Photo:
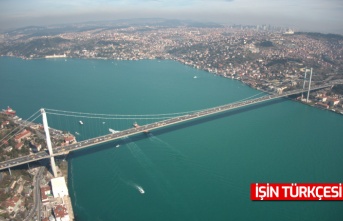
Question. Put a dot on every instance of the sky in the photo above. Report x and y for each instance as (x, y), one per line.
(303, 15)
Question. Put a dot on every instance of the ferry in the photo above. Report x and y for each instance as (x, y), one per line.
(81, 122)
(10, 111)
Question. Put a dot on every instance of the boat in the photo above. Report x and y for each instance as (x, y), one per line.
(10, 111)
(81, 122)
(140, 189)
(113, 131)
(77, 133)
(195, 77)
(117, 145)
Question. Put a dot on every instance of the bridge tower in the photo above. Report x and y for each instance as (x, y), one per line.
(302, 94)
(48, 142)
(309, 87)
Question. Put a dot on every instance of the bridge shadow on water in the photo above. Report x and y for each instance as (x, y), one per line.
(138, 137)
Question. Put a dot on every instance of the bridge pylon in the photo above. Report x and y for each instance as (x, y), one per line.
(309, 87)
(48, 142)
(302, 94)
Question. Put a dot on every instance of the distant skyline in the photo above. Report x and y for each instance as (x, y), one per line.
(305, 15)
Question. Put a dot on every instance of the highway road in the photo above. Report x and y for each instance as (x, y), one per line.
(36, 196)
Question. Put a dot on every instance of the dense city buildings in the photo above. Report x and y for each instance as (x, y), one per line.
(257, 52)
(264, 57)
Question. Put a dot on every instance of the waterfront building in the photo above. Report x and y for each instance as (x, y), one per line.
(61, 213)
(59, 187)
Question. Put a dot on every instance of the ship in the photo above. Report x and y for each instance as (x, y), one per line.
(10, 111)
(81, 122)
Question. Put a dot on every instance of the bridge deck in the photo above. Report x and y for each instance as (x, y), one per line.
(132, 131)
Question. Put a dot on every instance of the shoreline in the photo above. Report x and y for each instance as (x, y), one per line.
(170, 59)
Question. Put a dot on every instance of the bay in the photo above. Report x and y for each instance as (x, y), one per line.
(200, 170)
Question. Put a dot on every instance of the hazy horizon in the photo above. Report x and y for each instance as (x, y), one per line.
(304, 15)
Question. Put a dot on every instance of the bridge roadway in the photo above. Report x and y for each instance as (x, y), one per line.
(140, 129)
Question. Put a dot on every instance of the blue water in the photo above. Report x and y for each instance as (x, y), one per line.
(200, 170)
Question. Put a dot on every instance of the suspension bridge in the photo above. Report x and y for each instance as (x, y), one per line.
(164, 120)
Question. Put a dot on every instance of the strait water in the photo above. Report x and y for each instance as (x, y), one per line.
(199, 170)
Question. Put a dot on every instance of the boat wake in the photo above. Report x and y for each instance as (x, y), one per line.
(172, 149)
(134, 185)
(138, 154)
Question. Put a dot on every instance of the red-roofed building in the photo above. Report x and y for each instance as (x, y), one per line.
(12, 204)
(61, 213)
(19, 146)
(25, 133)
(69, 139)
(44, 192)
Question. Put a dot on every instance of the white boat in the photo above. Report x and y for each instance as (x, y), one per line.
(140, 189)
(77, 133)
(81, 122)
(113, 131)
(195, 77)
(117, 145)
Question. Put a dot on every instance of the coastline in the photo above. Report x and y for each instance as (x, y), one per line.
(177, 60)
